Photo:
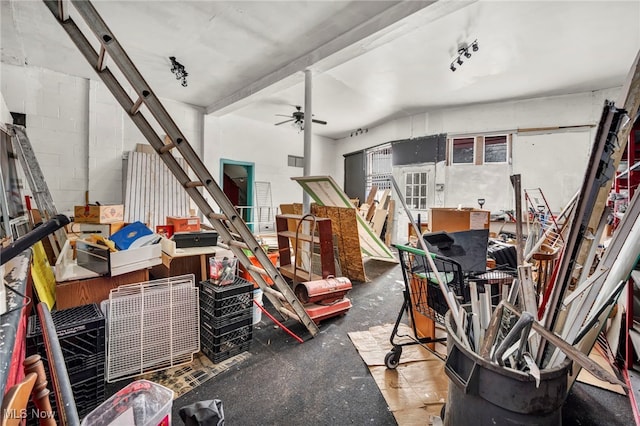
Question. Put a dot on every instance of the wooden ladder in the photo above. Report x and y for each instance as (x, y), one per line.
(232, 229)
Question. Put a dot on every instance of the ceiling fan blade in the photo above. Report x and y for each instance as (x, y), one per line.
(319, 121)
(282, 122)
(282, 115)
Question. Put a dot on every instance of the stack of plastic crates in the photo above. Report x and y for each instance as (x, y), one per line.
(226, 317)
(81, 333)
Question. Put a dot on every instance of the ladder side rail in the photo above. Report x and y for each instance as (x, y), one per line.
(34, 174)
(41, 194)
(160, 114)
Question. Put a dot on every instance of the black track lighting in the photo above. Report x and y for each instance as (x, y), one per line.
(463, 50)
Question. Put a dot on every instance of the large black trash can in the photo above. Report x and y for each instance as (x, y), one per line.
(483, 393)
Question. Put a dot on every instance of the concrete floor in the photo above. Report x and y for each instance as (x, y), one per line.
(325, 382)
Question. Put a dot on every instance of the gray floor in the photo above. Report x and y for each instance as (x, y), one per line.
(325, 382)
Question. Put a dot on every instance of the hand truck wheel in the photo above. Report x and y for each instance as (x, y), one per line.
(392, 359)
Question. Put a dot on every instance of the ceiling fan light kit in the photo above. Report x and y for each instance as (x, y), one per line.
(465, 50)
(297, 119)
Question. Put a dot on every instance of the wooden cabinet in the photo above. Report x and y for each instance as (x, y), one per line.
(94, 290)
(318, 242)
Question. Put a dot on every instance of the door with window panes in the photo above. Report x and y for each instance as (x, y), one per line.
(418, 187)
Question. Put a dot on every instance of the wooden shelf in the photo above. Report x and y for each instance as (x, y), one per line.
(322, 236)
(301, 237)
(300, 276)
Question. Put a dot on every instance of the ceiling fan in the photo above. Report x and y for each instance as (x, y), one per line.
(297, 117)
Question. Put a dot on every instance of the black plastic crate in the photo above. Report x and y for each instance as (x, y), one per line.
(87, 395)
(76, 350)
(226, 306)
(231, 313)
(80, 330)
(220, 327)
(217, 357)
(232, 338)
(239, 285)
(70, 321)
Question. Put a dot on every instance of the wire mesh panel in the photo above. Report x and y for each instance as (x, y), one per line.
(152, 326)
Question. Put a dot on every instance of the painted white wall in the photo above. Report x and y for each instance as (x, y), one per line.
(554, 161)
(5, 114)
(267, 146)
(79, 132)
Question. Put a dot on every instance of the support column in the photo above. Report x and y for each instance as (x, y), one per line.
(307, 136)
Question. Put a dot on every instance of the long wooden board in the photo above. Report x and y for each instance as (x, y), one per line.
(326, 192)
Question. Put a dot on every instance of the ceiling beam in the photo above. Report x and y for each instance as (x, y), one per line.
(378, 30)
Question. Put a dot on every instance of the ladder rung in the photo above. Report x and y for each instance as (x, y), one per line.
(240, 244)
(217, 216)
(257, 269)
(101, 58)
(272, 291)
(167, 147)
(193, 184)
(136, 106)
(288, 313)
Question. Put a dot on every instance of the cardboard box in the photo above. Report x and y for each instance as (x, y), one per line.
(99, 259)
(454, 220)
(184, 224)
(98, 214)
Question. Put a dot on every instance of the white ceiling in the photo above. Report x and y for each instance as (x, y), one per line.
(371, 61)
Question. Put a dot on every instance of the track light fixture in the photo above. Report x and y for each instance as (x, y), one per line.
(358, 132)
(463, 50)
(178, 69)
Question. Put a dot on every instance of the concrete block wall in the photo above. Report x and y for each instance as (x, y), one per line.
(79, 132)
(56, 107)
